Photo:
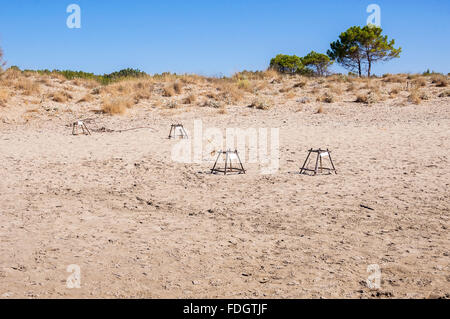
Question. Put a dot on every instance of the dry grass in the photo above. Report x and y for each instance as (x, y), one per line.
(86, 98)
(231, 92)
(133, 89)
(290, 95)
(351, 87)
(171, 105)
(44, 80)
(142, 91)
(213, 104)
(337, 90)
(445, 94)
(11, 74)
(415, 97)
(177, 87)
(420, 82)
(398, 78)
(362, 98)
(327, 98)
(373, 96)
(320, 110)
(168, 91)
(28, 87)
(245, 85)
(285, 89)
(315, 90)
(261, 85)
(190, 99)
(60, 96)
(223, 110)
(271, 74)
(57, 76)
(87, 83)
(116, 105)
(90, 84)
(4, 96)
(394, 91)
(440, 80)
(220, 92)
(413, 76)
(261, 104)
(300, 84)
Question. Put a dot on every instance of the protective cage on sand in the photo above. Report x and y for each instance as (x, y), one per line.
(177, 130)
(76, 126)
(230, 158)
(318, 167)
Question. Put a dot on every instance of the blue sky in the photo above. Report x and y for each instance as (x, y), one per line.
(215, 37)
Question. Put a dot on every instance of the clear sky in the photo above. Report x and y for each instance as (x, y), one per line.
(211, 37)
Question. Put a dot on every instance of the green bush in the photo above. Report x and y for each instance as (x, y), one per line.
(104, 79)
(317, 62)
(289, 64)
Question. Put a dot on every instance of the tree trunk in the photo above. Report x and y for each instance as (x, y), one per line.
(359, 68)
(369, 68)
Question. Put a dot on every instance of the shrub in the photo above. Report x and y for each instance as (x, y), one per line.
(320, 110)
(60, 96)
(87, 98)
(361, 98)
(317, 62)
(285, 89)
(351, 87)
(168, 91)
(104, 79)
(420, 82)
(445, 94)
(124, 73)
(191, 98)
(213, 103)
(327, 98)
(300, 84)
(440, 80)
(4, 96)
(394, 79)
(117, 105)
(394, 91)
(28, 87)
(261, 104)
(289, 64)
(231, 91)
(369, 98)
(414, 97)
(245, 85)
(223, 110)
(171, 105)
(177, 87)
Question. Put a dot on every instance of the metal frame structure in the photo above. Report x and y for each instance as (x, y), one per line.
(319, 163)
(173, 131)
(76, 125)
(228, 163)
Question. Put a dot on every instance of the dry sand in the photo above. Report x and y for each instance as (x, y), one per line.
(140, 225)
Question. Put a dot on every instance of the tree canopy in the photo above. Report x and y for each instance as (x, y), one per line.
(318, 62)
(358, 48)
(290, 64)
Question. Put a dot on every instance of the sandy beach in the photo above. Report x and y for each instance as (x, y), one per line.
(141, 225)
